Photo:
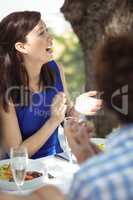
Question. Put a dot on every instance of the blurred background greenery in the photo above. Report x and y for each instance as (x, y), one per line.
(69, 54)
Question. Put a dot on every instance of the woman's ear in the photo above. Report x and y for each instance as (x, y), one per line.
(19, 46)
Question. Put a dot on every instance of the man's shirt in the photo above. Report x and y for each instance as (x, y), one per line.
(108, 176)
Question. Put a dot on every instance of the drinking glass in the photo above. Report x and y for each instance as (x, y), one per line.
(19, 162)
(67, 147)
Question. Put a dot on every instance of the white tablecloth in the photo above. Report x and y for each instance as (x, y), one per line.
(62, 170)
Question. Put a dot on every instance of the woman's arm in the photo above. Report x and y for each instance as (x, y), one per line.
(11, 133)
(90, 106)
(70, 107)
(62, 74)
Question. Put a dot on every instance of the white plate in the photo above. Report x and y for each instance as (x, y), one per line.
(33, 165)
(98, 140)
(62, 170)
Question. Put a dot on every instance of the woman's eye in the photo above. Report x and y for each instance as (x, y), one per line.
(42, 33)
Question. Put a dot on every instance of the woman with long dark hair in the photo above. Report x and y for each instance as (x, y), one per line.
(32, 99)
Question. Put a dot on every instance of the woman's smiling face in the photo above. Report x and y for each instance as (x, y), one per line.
(39, 44)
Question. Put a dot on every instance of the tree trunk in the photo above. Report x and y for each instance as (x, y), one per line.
(89, 19)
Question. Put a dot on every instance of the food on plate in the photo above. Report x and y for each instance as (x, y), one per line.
(50, 176)
(101, 146)
(100, 142)
(6, 173)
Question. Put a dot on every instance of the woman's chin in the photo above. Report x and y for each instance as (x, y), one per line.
(50, 57)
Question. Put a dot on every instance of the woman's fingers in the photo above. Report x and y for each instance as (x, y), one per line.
(92, 93)
(62, 110)
(88, 103)
(59, 106)
(98, 101)
(59, 99)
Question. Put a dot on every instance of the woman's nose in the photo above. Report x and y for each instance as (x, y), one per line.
(49, 36)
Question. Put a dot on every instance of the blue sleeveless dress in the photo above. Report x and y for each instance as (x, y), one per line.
(32, 118)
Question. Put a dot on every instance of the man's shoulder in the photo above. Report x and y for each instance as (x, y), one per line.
(91, 168)
(100, 166)
(104, 173)
(87, 176)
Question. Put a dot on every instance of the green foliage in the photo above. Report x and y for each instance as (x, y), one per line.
(69, 54)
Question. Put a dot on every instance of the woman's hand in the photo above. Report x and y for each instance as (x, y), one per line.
(58, 108)
(78, 135)
(71, 112)
(87, 103)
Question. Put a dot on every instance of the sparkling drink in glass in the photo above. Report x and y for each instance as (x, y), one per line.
(19, 162)
(67, 148)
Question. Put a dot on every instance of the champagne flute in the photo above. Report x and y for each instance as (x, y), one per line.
(79, 122)
(19, 162)
(67, 147)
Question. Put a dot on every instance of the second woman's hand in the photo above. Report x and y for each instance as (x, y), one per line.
(78, 135)
(88, 103)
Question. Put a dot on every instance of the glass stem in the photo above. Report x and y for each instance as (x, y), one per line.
(70, 157)
(19, 189)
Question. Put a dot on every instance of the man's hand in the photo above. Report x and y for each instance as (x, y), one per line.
(78, 135)
(49, 193)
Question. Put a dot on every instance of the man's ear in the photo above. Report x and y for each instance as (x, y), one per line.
(19, 46)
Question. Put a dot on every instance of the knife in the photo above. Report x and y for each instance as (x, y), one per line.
(61, 157)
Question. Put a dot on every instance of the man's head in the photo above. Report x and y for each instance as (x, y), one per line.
(114, 74)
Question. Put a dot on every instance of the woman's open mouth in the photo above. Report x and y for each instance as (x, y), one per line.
(49, 50)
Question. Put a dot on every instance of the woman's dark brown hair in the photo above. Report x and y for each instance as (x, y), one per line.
(14, 28)
(114, 74)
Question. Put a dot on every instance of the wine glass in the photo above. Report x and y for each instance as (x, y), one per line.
(67, 147)
(19, 162)
(78, 123)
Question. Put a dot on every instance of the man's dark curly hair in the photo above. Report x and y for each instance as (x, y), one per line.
(114, 74)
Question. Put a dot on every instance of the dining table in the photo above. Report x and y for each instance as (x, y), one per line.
(60, 171)
(57, 170)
